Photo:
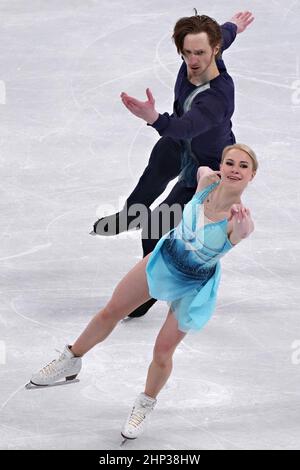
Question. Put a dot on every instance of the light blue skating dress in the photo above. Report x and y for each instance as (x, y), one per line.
(184, 268)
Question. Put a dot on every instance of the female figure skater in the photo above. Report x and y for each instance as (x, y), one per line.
(183, 269)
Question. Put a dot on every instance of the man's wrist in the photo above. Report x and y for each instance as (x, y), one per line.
(153, 118)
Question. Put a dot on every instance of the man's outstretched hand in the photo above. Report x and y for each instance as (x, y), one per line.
(242, 19)
(142, 109)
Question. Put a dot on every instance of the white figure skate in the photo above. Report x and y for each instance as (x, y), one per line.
(136, 420)
(67, 367)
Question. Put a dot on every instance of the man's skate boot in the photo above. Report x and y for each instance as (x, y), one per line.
(135, 422)
(67, 366)
(142, 309)
(116, 223)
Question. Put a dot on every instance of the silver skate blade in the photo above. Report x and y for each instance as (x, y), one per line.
(31, 386)
(92, 233)
(126, 439)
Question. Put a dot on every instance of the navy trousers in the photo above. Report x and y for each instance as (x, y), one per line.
(164, 165)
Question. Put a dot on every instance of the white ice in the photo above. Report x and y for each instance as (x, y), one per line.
(69, 150)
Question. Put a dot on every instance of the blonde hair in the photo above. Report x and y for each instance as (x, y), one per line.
(246, 149)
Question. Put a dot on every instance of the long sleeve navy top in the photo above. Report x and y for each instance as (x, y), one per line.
(208, 123)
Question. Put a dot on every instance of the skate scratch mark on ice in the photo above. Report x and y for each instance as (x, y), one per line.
(7, 230)
(259, 343)
(297, 67)
(149, 15)
(11, 396)
(17, 189)
(213, 435)
(48, 262)
(132, 74)
(76, 62)
(121, 79)
(236, 349)
(95, 278)
(234, 302)
(106, 291)
(101, 115)
(57, 218)
(207, 354)
(59, 130)
(28, 252)
(270, 271)
(194, 350)
(288, 10)
(44, 325)
(75, 190)
(35, 439)
(14, 428)
(129, 153)
(17, 133)
(280, 195)
(266, 129)
(79, 162)
(272, 74)
(161, 64)
(56, 131)
(30, 21)
(266, 82)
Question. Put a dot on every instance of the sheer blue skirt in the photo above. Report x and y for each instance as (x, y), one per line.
(175, 274)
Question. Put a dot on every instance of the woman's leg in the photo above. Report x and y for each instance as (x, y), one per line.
(161, 366)
(131, 292)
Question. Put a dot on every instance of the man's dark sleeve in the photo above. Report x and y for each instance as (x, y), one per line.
(229, 31)
(207, 112)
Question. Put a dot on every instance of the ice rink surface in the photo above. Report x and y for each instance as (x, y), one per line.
(69, 151)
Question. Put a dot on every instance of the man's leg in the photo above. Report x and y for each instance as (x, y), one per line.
(163, 166)
(179, 195)
(155, 229)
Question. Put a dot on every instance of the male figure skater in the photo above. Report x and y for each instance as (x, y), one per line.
(194, 135)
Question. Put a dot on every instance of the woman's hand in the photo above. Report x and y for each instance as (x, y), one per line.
(242, 19)
(142, 109)
(241, 222)
(207, 176)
